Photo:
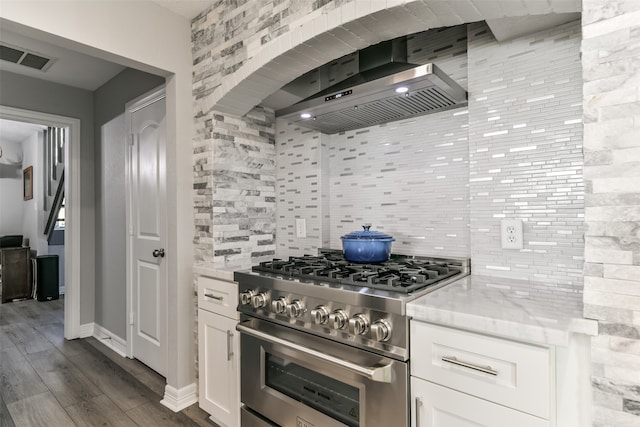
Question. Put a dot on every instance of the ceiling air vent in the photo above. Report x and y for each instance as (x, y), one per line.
(10, 54)
(25, 57)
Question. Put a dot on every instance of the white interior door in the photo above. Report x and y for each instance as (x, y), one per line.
(147, 226)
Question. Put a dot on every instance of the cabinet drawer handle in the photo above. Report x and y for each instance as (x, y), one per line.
(229, 345)
(418, 408)
(213, 296)
(455, 361)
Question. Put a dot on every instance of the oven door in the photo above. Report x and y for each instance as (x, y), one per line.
(296, 379)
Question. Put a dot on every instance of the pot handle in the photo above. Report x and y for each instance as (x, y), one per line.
(366, 227)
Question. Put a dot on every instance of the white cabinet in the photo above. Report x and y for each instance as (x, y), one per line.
(437, 406)
(510, 373)
(460, 378)
(219, 351)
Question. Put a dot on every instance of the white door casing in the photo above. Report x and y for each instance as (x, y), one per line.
(147, 225)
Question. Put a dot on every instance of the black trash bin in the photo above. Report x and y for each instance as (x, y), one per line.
(47, 284)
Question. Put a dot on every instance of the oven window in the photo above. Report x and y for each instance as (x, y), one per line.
(327, 395)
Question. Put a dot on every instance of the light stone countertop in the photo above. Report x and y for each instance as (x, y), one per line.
(517, 309)
(217, 272)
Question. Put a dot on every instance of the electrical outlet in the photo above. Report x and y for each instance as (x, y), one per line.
(301, 227)
(511, 233)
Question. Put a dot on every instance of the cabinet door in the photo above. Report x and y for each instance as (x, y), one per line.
(436, 406)
(16, 273)
(219, 368)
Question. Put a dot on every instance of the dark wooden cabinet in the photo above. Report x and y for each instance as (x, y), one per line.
(16, 273)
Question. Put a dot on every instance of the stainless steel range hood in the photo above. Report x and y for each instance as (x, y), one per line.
(374, 96)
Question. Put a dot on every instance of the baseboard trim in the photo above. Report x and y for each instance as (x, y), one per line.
(110, 339)
(86, 330)
(178, 399)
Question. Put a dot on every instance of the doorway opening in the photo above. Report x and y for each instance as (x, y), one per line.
(70, 151)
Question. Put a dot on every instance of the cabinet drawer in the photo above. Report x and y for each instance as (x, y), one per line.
(437, 406)
(218, 296)
(513, 374)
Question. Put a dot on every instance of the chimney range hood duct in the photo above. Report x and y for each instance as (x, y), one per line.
(375, 95)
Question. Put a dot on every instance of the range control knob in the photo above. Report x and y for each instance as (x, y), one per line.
(279, 306)
(320, 315)
(295, 309)
(358, 324)
(245, 297)
(260, 300)
(338, 319)
(380, 330)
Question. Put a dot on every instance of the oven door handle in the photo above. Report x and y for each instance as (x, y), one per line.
(380, 374)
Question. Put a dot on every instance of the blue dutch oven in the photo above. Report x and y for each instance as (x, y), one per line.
(366, 246)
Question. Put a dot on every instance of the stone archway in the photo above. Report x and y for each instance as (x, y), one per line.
(322, 35)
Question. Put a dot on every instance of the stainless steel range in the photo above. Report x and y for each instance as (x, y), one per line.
(325, 342)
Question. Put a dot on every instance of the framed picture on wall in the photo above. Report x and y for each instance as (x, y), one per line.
(27, 182)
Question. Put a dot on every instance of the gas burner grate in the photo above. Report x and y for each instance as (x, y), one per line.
(400, 274)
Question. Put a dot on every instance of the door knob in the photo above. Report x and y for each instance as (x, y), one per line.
(158, 253)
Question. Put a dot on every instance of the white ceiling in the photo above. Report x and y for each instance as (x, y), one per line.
(69, 67)
(17, 132)
(187, 8)
(79, 70)
(504, 29)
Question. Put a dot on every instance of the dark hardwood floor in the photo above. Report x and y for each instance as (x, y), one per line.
(48, 381)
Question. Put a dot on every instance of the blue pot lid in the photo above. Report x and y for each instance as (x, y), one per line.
(367, 234)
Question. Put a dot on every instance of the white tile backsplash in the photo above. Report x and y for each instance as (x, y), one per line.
(300, 192)
(525, 142)
(409, 179)
(406, 181)
(441, 183)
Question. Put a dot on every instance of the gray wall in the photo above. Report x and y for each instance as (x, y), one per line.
(110, 244)
(38, 95)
